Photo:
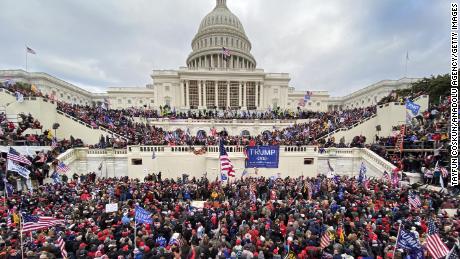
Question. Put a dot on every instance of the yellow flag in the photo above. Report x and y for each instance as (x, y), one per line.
(34, 88)
(341, 237)
(50, 135)
(16, 218)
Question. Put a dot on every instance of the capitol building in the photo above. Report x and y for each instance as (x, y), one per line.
(220, 73)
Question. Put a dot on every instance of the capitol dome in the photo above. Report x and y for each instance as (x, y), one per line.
(221, 29)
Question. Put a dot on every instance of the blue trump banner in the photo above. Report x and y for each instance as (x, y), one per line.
(143, 216)
(409, 242)
(413, 107)
(263, 157)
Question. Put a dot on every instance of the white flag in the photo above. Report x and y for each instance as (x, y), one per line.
(22, 171)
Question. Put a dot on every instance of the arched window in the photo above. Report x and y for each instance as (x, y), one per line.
(245, 133)
(168, 101)
(201, 134)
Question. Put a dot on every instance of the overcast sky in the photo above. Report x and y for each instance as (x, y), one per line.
(339, 46)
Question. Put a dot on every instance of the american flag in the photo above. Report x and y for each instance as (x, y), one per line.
(15, 156)
(325, 240)
(32, 223)
(226, 53)
(9, 223)
(226, 165)
(386, 177)
(434, 244)
(54, 143)
(444, 171)
(62, 168)
(31, 51)
(61, 244)
(414, 200)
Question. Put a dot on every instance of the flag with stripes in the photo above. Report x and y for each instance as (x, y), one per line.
(414, 200)
(31, 51)
(62, 168)
(17, 157)
(386, 177)
(9, 222)
(325, 240)
(54, 143)
(444, 172)
(61, 244)
(226, 165)
(434, 244)
(32, 222)
(226, 53)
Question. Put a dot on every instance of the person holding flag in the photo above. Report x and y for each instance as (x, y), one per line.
(409, 242)
(362, 173)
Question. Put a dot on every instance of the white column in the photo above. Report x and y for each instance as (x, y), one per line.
(262, 104)
(240, 98)
(200, 101)
(204, 104)
(212, 60)
(182, 91)
(216, 100)
(244, 96)
(228, 94)
(187, 94)
(257, 95)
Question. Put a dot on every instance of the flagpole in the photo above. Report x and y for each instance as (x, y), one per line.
(397, 237)
(4, 183)
(21, 225)
(407, 58)
(26, 61)
(135, 230)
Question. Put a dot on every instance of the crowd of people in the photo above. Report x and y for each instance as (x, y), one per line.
(122, 122)
(425, 146)
(247, 218)
(11, 132)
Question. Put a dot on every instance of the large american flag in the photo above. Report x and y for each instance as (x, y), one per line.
(414, 200)
(62, 168)
(325, 240)
(226, 165)
(32, 223)
(61, 245)
(434, 244)
(14, 155)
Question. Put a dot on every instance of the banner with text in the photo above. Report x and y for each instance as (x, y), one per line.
(263, 157)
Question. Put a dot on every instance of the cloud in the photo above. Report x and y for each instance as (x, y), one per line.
(339, 46)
